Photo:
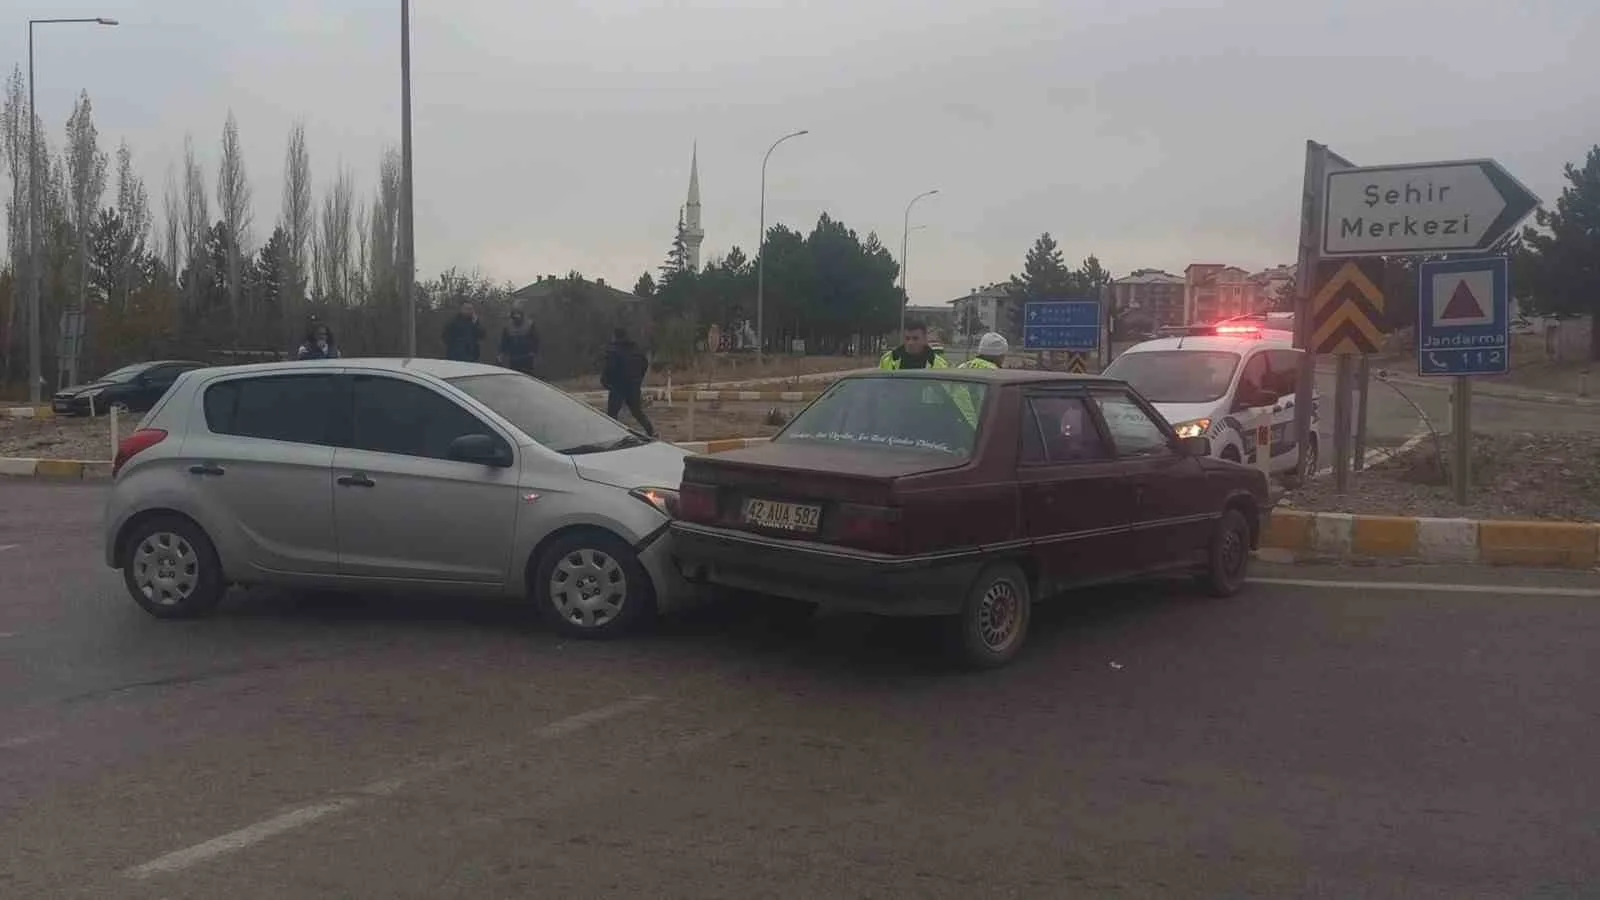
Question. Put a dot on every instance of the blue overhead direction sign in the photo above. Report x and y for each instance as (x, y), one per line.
(1463, 317)
(1061, 325)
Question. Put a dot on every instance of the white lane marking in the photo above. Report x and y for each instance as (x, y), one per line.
(238, 840)
(1379, 454)
(8, 634)
(26, 739)
(4, 547)
(250, 835)
(1436, 587)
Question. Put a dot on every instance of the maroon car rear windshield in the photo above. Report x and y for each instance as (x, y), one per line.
(921, 415)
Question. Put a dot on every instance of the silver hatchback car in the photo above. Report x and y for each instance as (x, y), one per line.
(394, 474)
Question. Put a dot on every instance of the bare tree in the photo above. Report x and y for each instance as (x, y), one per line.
(86, 175)
(382, 274)
(196, 218)
(133, 209)
(299, 220)
(172, 225)
(334, 241)
(233, 201)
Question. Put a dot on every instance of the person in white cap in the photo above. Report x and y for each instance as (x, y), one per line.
(992, 350)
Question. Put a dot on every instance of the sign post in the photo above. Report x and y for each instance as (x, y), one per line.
(1319, 162)
(1073, 325)
(1346, 312)
(1463, 329)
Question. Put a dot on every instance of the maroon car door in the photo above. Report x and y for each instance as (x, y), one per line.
(1077, 509)
(1172, 510)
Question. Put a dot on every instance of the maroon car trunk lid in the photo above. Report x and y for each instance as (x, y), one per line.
(832, 483)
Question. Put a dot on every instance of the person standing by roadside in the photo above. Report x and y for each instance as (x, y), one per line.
(463, 334)
(318, 344)
(623, 378)
(914, 352)
(519, 343)
(992, 350)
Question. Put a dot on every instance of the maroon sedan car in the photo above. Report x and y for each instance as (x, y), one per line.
(967, 493)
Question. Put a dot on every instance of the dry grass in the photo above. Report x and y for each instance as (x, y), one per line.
(1553, 475)
(734, 367)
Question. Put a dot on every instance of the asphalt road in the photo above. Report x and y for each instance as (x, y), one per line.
(1317, 738)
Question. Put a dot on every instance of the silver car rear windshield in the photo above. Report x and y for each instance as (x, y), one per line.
(547, 415)
(922, 415)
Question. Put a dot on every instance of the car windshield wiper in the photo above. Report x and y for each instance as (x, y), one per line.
(627, 440)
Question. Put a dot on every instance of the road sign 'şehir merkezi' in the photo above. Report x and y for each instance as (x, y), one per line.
(1463, 317)
(1061, 325)
(1448, 207)
(1347, 307)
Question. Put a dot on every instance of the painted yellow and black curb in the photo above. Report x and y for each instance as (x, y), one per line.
(73, 469)
(1339, 536)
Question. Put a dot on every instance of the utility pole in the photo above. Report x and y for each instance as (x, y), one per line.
(905, 241)
(408, 241)
(761, 251)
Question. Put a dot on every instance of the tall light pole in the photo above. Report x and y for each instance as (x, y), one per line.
(905, 241)
(408, 240)
(761, 249)
(35, 270)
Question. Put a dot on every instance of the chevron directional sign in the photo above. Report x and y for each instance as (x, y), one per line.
(1347, 307)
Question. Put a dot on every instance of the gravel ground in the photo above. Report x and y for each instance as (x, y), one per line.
(1550, 475)
(91, 439)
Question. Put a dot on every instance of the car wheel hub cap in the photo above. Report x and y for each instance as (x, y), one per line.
(588, 588)
(166, 568)
(1232, 553)
(999, 616)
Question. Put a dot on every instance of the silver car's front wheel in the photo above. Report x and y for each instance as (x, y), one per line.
(590, 584)
(171, 569)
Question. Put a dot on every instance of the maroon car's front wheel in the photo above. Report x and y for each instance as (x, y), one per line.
(993, 624)
(1230, 555)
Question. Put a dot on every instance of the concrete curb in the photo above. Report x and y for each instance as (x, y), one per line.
(1302, 535)
(75, 469)
(26, 412)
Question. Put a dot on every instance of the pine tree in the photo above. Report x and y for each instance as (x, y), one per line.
(1045, 276)
(677, 261)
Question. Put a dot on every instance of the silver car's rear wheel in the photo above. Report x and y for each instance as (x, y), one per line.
(590, 584)
(171, 569)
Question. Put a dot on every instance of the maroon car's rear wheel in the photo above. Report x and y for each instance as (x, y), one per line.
(993, 624)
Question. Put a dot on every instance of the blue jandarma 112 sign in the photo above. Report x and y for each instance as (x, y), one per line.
(1061, 325)
(1464, 317)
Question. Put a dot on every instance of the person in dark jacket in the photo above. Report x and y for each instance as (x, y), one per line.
(318, 344)
(519, 343)
(623, 379)
(463, 334)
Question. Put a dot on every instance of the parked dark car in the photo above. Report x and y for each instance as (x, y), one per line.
(967, 494)
(134, 388)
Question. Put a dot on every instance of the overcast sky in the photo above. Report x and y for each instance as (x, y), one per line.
(556, 135)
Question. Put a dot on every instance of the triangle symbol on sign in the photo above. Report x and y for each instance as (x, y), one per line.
(1462, 305)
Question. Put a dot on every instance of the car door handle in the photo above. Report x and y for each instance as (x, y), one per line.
(206, 469)
(359, 479)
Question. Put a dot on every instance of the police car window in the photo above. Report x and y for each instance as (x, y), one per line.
(1285, 371)
(1253, 380)
(1177, 376)
(1060, 429)
(1132, 429)
(900, 413)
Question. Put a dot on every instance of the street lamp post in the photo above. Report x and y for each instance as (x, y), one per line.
(35, 273)
(408, 242)
(905, 242)
(761, 250)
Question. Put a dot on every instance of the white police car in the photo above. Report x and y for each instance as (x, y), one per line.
(1222, 382)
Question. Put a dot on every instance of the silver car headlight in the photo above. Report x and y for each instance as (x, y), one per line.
(665, 500)
(1192, 428)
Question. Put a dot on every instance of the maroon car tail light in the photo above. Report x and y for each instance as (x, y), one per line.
(876, 528)
(135, 444)
(697, 502)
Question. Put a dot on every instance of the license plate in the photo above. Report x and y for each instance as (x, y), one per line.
(782, 516)
(61, 406)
